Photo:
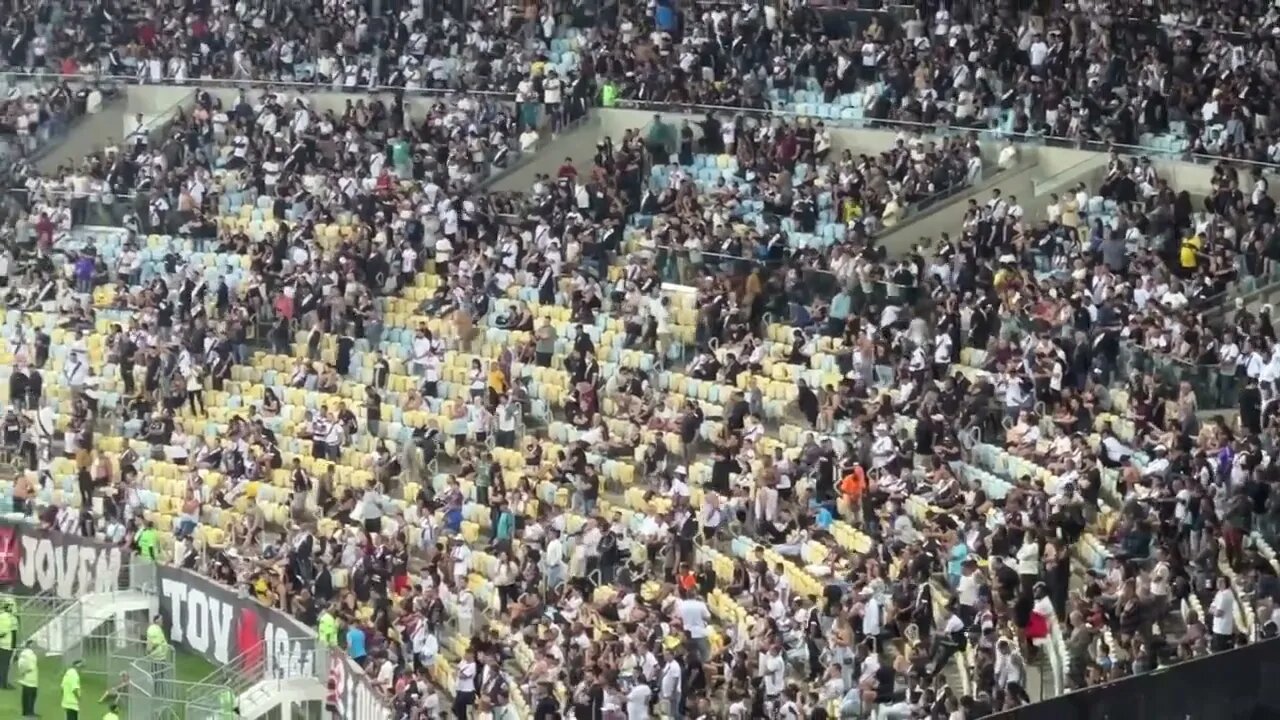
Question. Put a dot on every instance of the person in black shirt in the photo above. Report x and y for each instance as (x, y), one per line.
(343, 361)
(35, 387)
(303, 607)
(381, 371)
(1251, 407)
(825, 480)
(546, 707)
(736, 413)
(151, 379)
(373, 409)
(12, 430)
(18, 388)
(348, 420)
(43, 342)
(725, 466)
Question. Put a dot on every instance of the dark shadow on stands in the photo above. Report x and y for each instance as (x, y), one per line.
(1235, 685)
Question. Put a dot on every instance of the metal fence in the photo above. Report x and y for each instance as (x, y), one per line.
(119, 81)
(34, 613)
(152, 691)
(251, 678)
(107, 79)
(1214, 387)
(686, 267)
(58, 124)
(984, 128)
(113, 649)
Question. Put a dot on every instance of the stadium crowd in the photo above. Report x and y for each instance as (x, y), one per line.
(527, 475)
(1151, 74)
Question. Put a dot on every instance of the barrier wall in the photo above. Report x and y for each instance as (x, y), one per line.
(1235, 685)
(203, 617)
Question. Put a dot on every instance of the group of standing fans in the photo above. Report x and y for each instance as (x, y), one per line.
(479, 444)
(1158, 75)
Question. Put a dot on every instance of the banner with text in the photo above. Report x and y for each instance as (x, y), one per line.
(67, 566)
(225, 626)
(202, 616)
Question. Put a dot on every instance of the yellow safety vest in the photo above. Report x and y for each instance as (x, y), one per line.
(8, 626)
(71, 690)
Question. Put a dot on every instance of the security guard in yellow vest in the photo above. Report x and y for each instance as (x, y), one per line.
(157, 644)
(112, 713)
(71, 691)
(8, 638)
(327, 630)
(28, 678)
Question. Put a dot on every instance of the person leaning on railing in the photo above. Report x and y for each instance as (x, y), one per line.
(147, 542)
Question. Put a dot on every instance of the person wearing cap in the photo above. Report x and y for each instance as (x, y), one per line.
(157, 644)
(28, 678)
(112, 713)
(71, 690)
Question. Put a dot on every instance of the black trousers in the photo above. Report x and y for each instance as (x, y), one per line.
(462, 702)
(6, 656)
(28, 701)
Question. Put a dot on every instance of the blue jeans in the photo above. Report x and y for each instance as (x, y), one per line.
(673, 707)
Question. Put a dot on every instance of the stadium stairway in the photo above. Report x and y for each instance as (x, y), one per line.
(266, 695)
(71, 627)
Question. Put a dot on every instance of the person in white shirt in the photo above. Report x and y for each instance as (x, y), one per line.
(465, 688)
(553, 560)
(967, 590)
(694, 616)
(1223, 611)
(529, 140)
(671, 685)
(872, 613)
(638, 701)
(333, 440)
(369, 509)
(466, 603)
(1011, 671)
(443, 254)
(421, 351)
(1029, 562)
(773, 670)
(1008, 156)
(408, 265)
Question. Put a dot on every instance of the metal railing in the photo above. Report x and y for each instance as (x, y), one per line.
(982, 128)
(1213, 388)
(1076, 143)
(685, 267)
(152, 690)
(59, 122)
(22, 207)
(259, 85)
(308, 659)
(34, 612)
